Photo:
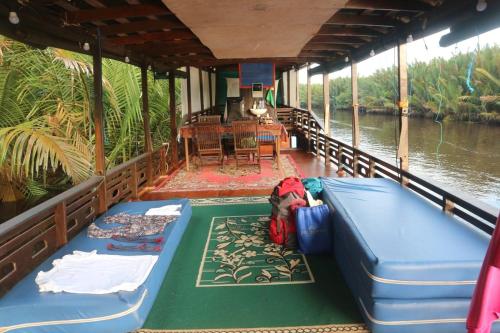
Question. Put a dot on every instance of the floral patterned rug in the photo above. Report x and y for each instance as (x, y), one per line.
(228, 177)
(238, 252)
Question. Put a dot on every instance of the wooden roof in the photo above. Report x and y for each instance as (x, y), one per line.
(150, 34)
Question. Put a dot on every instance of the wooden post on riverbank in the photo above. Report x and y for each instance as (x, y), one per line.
(403, 109)
(355, 116)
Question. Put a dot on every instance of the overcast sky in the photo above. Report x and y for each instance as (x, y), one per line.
(416, 50)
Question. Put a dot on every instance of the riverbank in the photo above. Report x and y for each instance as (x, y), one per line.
(487, 118)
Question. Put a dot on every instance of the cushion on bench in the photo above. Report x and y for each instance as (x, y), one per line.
(25, 309)
(400, 244)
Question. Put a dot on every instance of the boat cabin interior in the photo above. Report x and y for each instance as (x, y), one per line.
(194, 235)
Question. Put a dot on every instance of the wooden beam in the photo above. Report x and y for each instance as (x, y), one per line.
(210, 89)
(309, 90)
(116, 12)
(163, 36)
(403, 109)
(337, 40)
(363, 20)
(326, 102)
(355, 105)
(100, 159)
(145, 25)
(326, 47)
(355, 116)
(173, 121)
(389, 5)
(189, 106)
(200, 78)
(338, 31)
(288, 102)
(148, 144)
(297, 89)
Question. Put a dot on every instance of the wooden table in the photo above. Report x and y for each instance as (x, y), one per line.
(278, 131)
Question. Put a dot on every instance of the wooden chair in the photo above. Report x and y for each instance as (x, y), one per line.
(208, 141)
(209, 119)
(246, 142)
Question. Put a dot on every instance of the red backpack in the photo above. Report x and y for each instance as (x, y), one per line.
(285, 199)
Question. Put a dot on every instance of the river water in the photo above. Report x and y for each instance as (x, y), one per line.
(461, 156)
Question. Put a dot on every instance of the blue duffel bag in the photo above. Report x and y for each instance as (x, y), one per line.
(314, 229)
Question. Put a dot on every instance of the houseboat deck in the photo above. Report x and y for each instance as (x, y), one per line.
(196, 183)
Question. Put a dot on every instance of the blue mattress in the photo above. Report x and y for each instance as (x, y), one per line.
(390, 315)
(25, 309)
(400, 245)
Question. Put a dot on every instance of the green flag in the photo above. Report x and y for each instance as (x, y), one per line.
(270, 97)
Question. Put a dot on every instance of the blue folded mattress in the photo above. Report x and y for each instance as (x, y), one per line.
(400, 245)
(25, 309)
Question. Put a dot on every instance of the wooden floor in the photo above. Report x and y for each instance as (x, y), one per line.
(308, 164)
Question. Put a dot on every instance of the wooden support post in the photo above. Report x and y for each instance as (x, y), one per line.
(371, 168)
(200, 77)
(173, 120)
(210, 90)
(326, 102)
(100, 160)
(60, 219)
(309, 90)
(309, 132)
(340, 169)
(288, 89)
(133, 181)
(318, 155)
(147, 131)
(355, 116)
(297, 86)
(403, 110)
(188, 81)
(327, 152)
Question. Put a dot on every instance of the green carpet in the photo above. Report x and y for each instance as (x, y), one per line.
(180, 304)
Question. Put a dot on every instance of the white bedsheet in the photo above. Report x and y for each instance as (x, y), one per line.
(92, 273)
(172, 210)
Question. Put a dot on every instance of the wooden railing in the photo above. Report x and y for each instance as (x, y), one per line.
(31, 237)
(358, 163)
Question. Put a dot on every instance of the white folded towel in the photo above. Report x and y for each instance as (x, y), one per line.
(92, 273)
(174, 210)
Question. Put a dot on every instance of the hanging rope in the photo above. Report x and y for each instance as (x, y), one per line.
(470, 67)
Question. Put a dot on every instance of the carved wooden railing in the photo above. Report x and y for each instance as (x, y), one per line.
(31, 237)
(357, 163)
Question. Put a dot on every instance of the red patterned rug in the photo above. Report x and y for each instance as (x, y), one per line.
(213, 177)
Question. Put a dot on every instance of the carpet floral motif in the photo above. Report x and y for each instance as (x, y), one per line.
(238, 252)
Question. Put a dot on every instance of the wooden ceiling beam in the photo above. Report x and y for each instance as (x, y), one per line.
(165, 50)
(325, 47)
(173, 35)
(337, 40)
(389, 5)
(146, 25)
(337, 31)
(363, 20)
(113, 13)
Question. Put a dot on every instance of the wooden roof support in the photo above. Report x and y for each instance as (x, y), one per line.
(326, 104)
(389, 5)
(210, 89)
(173, 120)
(189, 103)
(338, 31)
(326, 47)
(363, 20)
(288, 102)
(297, 89)
(148, 144)
(355, 115)
(403, 109)
(354, 41)
(164, 36)
(145, 25)
(100, 159)
(200, 78)
(113, 13)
